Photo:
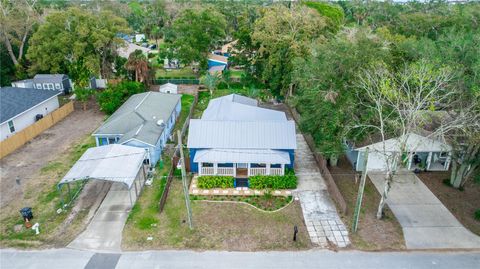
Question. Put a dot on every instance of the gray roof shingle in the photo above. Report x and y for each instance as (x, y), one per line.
(137, 118)
(14, 101)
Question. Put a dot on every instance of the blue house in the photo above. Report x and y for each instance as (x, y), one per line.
(145, 120)
(237, 138)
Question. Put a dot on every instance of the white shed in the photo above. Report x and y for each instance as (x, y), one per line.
(169, 88)
(423, 153)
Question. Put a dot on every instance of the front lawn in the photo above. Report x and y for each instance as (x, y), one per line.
(219, 226)
(265, 202)
(372, 234)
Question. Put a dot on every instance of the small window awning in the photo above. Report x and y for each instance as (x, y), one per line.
(117, 163)
(242, 156)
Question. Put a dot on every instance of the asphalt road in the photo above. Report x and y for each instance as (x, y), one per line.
(68, 258)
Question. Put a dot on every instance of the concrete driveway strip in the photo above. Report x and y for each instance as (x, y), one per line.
(319, 212)
(104, 233)
(425, 221)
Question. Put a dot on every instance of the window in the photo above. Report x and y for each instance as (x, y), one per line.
(111, 140)
(11, 127)
(39, 86)
(276, 165)
(207, 164)
(57, 86)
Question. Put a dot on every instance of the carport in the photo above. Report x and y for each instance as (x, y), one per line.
(114, 163)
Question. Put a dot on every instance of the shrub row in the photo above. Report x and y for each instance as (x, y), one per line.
(273, 182)
(210, 182)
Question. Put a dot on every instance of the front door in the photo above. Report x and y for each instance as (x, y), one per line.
(242, 170)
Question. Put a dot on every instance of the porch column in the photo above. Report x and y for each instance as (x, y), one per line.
(283, 169)
(410, 160)
(248, 169)
(234, 170)
(268, 168)
(215, 168)
(429, 160)
(200, 168)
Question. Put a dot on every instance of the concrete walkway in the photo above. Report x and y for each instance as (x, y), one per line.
(319, 212)
(426, 222)
(104, 233)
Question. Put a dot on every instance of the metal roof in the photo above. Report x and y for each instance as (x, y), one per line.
(242, 156)
(50, 76)
(242, 134)
(218, 58)
(414, 142)
(236, 98)
(224, 109)
(14, 101)
(117, 163)
(169, 85)
(138, 118)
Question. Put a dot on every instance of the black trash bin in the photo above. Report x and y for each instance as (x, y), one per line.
(26, 213)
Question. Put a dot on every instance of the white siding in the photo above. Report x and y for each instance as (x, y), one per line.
(27, 118)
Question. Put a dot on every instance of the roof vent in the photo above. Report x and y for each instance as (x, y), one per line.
(160, 122)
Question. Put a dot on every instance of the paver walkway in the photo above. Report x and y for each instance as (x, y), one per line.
(104, 232)
(425, 221)
(321, 217)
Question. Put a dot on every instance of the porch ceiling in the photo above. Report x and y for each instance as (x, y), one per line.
(242, 156)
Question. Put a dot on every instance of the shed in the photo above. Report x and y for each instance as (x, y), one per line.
(169, 88)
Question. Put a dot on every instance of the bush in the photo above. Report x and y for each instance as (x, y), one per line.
(477, 214)
(210, 182)
(288, 181)
(114, 96)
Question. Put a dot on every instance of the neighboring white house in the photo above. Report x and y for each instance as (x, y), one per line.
(125, 51)
(169, 88)
(139, 38)
(20, 107)
(57, 82)
(423, 153)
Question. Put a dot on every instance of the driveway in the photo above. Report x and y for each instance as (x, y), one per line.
(104, 233)
(426, 222)
(319, 212)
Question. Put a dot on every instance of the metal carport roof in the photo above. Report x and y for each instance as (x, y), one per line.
(116, 163)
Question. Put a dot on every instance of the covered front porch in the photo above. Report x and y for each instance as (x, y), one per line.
(242, 163)
(430, 161)
(240, 170)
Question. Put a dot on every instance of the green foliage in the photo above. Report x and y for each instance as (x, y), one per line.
(210, 182)
(114, 96)
(196, 32)
(273, 182)
(333, 13)
(76, 42)
(477, 214)
(83, 94)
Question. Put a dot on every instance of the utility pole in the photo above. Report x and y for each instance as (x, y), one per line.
(184, 181)
(361, 188)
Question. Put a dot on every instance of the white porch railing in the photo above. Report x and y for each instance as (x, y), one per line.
(258, 171)
(225, 171)
(207, 171)
(276, 171)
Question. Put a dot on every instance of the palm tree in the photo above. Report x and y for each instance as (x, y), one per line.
(138, 62)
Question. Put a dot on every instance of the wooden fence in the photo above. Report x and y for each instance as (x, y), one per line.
(322, 165)
(20, 138)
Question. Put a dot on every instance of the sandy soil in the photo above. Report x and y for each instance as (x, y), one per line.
(462, 204)
(26, 162)
(372, 234)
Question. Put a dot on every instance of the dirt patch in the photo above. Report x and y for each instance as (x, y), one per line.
(462, 204)
(220, 226)
(25, 163)
(372, 234)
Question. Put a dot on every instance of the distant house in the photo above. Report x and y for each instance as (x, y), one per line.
(423, 153)
(57, 82)
(125, 51)
(169, 88)
(20, 107)
(236, 138)
(139, 38)
(217, 63)
(145, 120)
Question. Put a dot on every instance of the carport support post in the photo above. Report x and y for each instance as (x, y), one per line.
(361, 188)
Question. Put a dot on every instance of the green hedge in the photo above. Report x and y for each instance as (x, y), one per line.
(210, 182)
(273, 182)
